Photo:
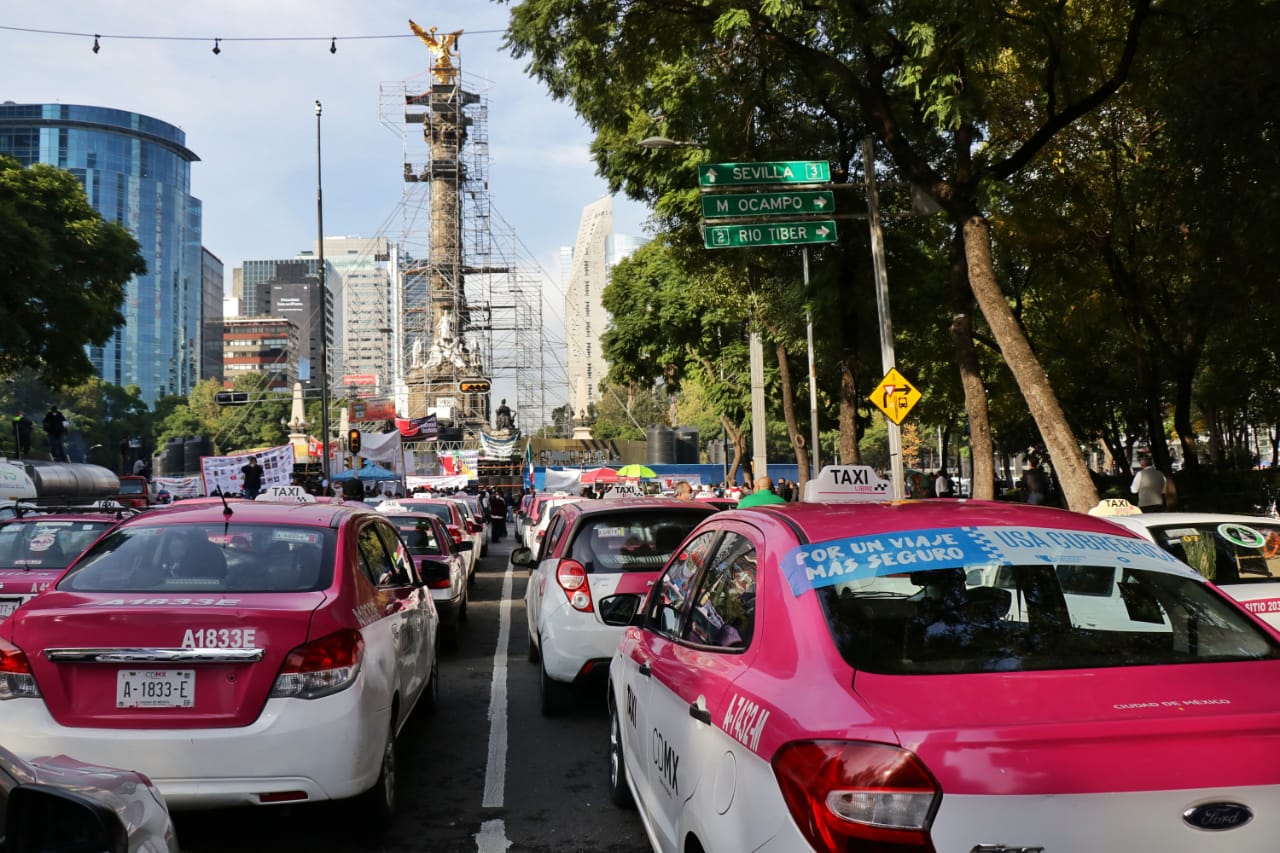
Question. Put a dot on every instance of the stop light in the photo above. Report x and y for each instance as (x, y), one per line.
(353, 441)
(228, 398)
(474, 386)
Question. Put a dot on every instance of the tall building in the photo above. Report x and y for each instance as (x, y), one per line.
(209, 344)
(136, 171)
(595, 253)
(371, 328)
(266, 345)
(290, 287)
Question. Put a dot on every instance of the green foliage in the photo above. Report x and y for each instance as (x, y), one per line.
(63, 269)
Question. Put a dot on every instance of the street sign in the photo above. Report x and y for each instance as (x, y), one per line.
(767, 204)
(778, 172)
(769, 234)
(895, 396)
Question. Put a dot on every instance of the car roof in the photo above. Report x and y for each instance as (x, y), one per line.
(583, 507)
(817, 522)
(318, 514)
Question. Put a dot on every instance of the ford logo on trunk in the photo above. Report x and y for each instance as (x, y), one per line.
(1216, 817)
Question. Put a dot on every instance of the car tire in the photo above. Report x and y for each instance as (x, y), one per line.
(430, 699)
(534, 654)
(619, 790)
(462, 611)
(449, 636)
(554, 697)
(377, 806)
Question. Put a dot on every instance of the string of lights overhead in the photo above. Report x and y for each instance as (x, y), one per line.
(100, 38)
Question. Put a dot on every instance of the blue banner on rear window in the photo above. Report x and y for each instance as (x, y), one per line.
(860, 557)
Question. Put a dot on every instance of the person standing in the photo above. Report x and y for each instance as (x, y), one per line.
(762, 495)
(1148, 485)
(942, 484)
(1035, 483)
(22, 427)
(55, 426)
(251, 478)
(498, 515)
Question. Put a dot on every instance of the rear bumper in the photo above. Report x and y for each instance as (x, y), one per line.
(328, 748)
(570, 640)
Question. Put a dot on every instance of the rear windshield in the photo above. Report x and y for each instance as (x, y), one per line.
(444, 512)
(132, 487)
(1008, 618)
(631, 541)
(175, 558)
(1225, 552)
(419, 536)
(50, 544)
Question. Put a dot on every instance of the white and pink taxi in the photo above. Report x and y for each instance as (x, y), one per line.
(237, 653)
(932, 676)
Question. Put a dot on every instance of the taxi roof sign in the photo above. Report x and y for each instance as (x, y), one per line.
(847, 484)
(287, 494)
(1113, 507)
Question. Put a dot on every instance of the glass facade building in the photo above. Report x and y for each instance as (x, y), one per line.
(136, 171)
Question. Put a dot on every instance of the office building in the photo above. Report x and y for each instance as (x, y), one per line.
(266, 345)
(136, 171)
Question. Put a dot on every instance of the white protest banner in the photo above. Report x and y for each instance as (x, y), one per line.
(223, 472)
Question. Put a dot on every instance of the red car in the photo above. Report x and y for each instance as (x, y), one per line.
(941, 675)
(442, 563)
(236, 652)
(35, 549)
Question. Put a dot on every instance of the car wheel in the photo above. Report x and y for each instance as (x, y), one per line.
(449, 636)
(377, 805)
(554, 696)
(534, 655)
(431, 693)
(619, 790)
(462, 611)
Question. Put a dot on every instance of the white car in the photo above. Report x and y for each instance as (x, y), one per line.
(537, 525)
(1239, 553)
(96, 807)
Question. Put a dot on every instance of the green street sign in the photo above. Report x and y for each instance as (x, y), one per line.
(770, 234)
(780, 172)
(767, 204)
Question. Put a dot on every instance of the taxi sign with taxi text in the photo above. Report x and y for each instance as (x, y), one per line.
(895, 396)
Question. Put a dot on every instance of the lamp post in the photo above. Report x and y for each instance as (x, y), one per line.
(664, 142)
(324, 313)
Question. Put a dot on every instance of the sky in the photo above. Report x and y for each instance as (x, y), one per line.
(248, 112)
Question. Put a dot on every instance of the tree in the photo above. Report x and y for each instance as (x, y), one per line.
(63, 269)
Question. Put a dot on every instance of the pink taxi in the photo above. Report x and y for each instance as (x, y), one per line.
(237, 653)
(36, 547)
(941, 676)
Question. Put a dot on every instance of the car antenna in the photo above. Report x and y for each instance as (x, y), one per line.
(226, 507)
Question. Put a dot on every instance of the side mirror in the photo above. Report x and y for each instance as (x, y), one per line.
(619, 610)
(464, 545)
(522, 557)
(42, 818)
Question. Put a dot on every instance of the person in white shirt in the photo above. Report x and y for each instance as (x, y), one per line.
(1148, 485)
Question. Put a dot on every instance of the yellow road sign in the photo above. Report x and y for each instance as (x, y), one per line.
(895, 396)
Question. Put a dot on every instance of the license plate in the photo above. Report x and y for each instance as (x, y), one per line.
(8, 605)
(155, 688)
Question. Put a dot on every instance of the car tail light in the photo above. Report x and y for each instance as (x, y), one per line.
(857, 796)
(320, 668)
(572, 577)
(16, 680)
(456, 533)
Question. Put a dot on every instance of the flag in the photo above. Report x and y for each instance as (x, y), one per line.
(419, 428)
(313, 447)
(528, 462)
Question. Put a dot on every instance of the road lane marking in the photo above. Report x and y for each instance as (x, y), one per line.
(492, 837)
(495, 774)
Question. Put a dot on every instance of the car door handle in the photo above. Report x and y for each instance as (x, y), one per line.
(699, 713)
(645, 670)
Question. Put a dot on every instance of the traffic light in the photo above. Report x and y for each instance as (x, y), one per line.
(353, 441)
(229, 398)
(474, 386)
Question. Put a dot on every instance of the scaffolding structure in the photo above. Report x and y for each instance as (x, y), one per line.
(469, 294)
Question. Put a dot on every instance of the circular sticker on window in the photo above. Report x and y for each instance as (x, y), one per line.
(41, 542)
(1241, 535)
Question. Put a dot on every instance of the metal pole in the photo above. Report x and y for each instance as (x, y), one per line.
(759, 452)
(882, 305)
(324, 314)
(814, 465)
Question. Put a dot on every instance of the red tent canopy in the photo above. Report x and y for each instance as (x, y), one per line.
(599, 475)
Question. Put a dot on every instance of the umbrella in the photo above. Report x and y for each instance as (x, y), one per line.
(370, 471)
(599, 475)
(634, 471)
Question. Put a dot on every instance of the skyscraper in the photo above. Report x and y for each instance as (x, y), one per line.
(136, 171)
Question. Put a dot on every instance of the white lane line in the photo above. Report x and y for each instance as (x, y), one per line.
(492, 837)
(495, 774)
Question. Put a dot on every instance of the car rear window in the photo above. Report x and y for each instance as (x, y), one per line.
(175, 558)
(47, 544)
(1225, 552)
(132, 487)
(444, 512)
(1008, 618)
(631, 541)
(419, 536)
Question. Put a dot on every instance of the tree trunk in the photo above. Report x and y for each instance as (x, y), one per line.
(1042, 402)
(739, 443)
(981, 445)
(789, 415)
(849, 452)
